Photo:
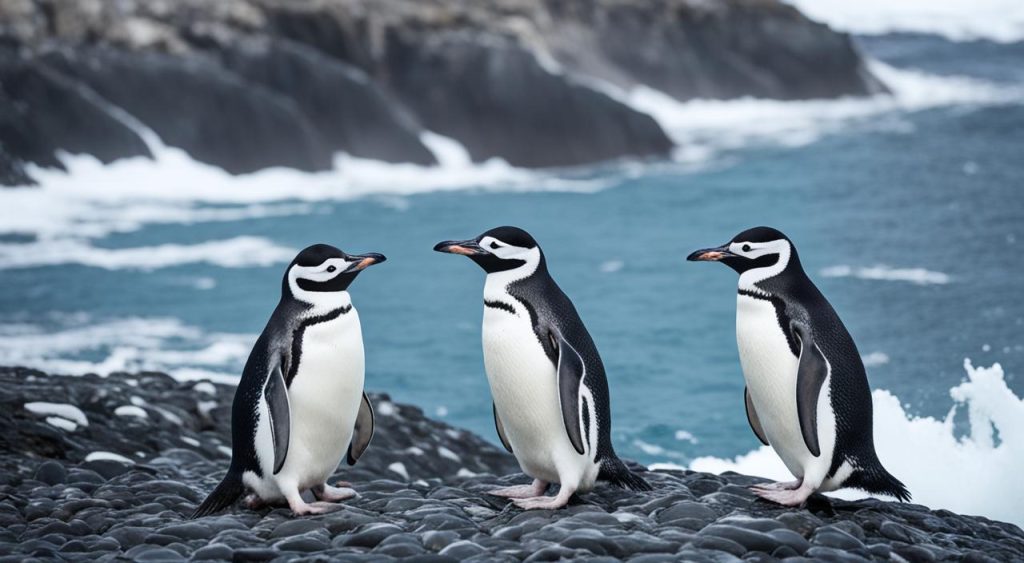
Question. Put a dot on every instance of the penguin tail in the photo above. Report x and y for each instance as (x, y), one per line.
(879, 481)
(226, 493)
(617, 473)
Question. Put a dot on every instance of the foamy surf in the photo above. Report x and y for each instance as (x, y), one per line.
(235, 252)
(995, 20)
(976, 473)
(77, 344)
(705, 129)
(881, 272)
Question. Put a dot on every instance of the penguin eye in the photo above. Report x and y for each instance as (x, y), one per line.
(495, 245)
(746, 248)
(331, 268)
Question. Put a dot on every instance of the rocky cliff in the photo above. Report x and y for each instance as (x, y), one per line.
(248, 84)
(109, 468)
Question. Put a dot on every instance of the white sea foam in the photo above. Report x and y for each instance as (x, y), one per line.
(881, 272)
(79, 344)
(959, 20)
(974, 474)
(704, 129)
(230, 253)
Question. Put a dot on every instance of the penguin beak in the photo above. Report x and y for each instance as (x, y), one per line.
(363, 261)
(463, 247)
(711, 254)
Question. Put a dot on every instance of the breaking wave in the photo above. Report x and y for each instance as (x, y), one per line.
(976, 472)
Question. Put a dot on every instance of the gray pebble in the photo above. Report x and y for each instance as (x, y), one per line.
(296, 527)
(438, 540)
(462, 549)
(51, 473)
(213, 551)
(752, 540)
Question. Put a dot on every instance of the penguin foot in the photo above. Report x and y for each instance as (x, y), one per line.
(532, 490)
(328, 493)
(546, 503)
(779, 486)
(791, 497)
(306, 509)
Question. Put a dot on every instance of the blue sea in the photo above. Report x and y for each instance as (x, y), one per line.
(907, 210)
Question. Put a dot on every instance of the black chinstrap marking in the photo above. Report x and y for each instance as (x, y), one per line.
(500, 305)
(297, 334)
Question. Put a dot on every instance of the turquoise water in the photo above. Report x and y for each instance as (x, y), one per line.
(909, 221)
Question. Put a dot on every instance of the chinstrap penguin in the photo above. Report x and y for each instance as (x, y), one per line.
(807, 393)
(551, 402)
(300, 406)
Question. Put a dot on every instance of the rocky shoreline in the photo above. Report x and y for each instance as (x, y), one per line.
(108, 468)
(250, 84)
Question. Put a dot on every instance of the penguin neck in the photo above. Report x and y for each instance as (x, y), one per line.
(320, 302)
(768, 279)
(497, 283)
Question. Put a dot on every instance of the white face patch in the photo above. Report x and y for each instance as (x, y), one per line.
(754, 250)
(504, 250)
(326, 271)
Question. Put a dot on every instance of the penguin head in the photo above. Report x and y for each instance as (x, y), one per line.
(756, 254)
(321, 269)
(497, 250)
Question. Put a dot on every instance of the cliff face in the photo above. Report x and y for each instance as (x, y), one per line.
(109, 468)
(248, 84)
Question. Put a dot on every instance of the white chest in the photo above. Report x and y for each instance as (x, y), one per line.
(524, 387)
(770, 370)
(324, 396)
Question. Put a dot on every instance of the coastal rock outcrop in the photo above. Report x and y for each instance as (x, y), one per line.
(110, 468)
(251, 84)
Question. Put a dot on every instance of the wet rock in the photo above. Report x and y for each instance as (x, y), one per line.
(140, 513)
(51, 473)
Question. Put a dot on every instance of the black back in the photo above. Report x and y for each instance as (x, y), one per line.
(796, 298)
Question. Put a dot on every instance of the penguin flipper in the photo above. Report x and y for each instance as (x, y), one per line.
(501, 430)
(811, 374)
(363, 431)
(276, 394)
(570, 372)
(755, 423)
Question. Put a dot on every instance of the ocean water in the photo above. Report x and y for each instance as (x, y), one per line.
(907, 210)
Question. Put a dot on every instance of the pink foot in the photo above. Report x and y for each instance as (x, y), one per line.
(779, 486)
(790, 497)
(546, 503)
(521, 491)
(332, 494)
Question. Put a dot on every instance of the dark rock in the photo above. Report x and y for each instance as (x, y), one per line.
(270, 82)
(687, 509)
(371, 536)
(51, 473)
(832, 555)
(438, 540)
(510, 106)
(833, 537)
(295, 528)
(463, 549)
(718, 543)
(139, 513)
(213, 551)
(188, 531)
(752, 540)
